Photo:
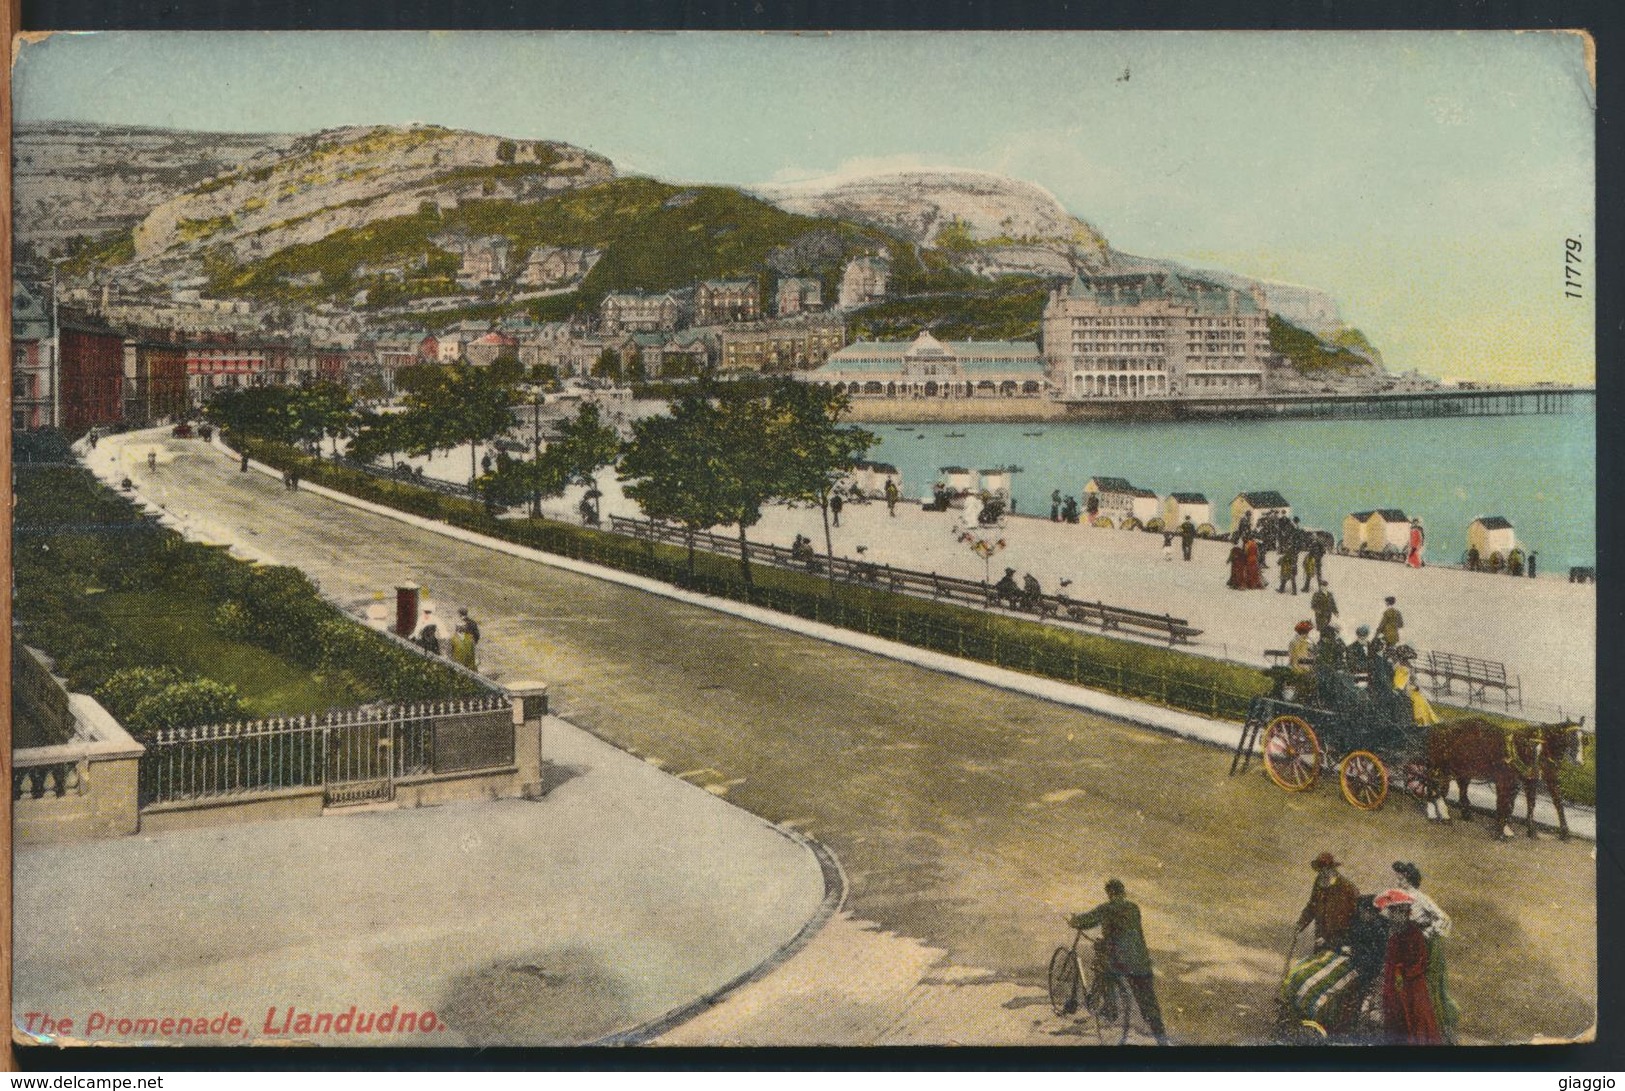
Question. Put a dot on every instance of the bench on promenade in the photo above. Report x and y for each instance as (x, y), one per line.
(950, 588)
(1177, 629)
(1479, 676)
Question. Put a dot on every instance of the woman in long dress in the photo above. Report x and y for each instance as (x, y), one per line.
(1255, 579)
(1435, 925)
(1414, 556)
(1238, 569)
(1407, 1008)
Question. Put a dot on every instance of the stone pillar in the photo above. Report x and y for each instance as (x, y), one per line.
(529, 711)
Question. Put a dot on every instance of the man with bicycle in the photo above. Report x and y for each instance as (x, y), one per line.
(1126, 953)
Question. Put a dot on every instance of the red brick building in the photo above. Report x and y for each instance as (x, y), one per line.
(154, 379)
(92, 373)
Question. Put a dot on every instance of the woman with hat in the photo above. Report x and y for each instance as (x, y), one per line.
(1435, 925)
(1407, 1006)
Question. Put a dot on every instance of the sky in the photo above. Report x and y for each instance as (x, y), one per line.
(1429, 181)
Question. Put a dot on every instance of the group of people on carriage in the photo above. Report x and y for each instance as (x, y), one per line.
(1377, 969)
(1373, 670)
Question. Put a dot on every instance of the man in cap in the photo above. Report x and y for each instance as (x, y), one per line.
(1126, 953)
(1332, 901)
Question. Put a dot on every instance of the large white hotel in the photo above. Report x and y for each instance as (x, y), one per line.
(1154, 335)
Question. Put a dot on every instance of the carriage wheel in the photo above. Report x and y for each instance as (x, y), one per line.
(1364, 780)
(1291, 753)
(1065, 981)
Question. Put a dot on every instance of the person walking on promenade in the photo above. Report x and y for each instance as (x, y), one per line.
(242, 467)
(1389, 625)
(1126, 953)
(835, 506)
(1055, 506)
(1414, 556)
(892, 496)
(1244, 528)
(152, 460)
(1289, 568)
(1331, 905)
(1069, 510)
(428, 634)
(466, 624)
(1407, 1008)
(1515, 562)
(1167, 546)
(1323, 606)
(1187, 535)
(1255, 578)
(1317, 550)
(1435, 924)
(1238, 569)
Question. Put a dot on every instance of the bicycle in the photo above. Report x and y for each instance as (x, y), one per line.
(1099, 991)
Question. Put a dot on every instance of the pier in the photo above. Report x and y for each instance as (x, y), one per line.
(1497, 401)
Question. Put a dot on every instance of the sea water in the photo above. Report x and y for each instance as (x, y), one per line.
(1538, 471)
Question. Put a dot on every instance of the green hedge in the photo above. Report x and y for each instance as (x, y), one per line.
(76, 540)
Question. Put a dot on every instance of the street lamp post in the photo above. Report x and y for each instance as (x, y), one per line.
(535, 453)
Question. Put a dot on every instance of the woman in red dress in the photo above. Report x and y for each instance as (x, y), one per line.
(1255, 579)
(1407, 1008)
(1414, 556)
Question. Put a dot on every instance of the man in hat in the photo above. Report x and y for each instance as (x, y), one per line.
(1126, 953)
(1408, 1015)
(1332, 901)
(1006, 591)
(1358, 654)
(1390, 623)
(1324, 607)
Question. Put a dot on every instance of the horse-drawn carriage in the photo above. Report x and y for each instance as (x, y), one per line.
(1332, 718)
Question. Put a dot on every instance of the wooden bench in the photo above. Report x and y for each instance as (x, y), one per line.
(1480, 676)
(1177, 630)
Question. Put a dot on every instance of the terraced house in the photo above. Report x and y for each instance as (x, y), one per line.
(1154, 335)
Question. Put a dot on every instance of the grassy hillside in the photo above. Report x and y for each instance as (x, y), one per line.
(1309, 354)
(654, 236)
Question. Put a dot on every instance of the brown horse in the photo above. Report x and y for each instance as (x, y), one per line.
(1471, 749)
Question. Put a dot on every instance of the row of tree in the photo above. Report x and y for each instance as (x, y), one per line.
(718, 456)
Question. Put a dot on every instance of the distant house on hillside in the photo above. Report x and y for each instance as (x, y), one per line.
(553, 265)
(718, 302)
(1375, 531)
(865, 280)
(1261, 503)
(798, 294)
(623, 312)
(485, 349)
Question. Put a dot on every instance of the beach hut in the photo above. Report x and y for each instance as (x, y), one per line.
(959, 483)
(1114, 497)
(871, 477)
(996, 482)
(1144, 506)
(1179, 506)
(1261, 503)
(1491, 534)
(1375, 531)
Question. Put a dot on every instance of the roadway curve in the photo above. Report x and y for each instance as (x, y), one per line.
(967, 818)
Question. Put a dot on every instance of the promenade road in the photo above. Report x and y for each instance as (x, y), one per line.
(967, 819)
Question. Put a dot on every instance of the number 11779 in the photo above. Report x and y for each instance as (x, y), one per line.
(1571, 272)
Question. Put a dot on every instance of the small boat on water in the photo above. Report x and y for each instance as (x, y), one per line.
(905, 428)
(1037, 433)
(954, 435)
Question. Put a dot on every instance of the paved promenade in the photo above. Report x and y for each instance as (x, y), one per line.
(1544, 630)
(555, 922)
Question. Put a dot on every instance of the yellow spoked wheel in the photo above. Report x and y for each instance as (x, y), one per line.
(1291, 753)
(1364, 780)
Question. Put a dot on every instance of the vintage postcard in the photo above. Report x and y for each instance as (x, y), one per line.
(1061, 540)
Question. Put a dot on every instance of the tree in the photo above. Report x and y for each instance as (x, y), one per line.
(381, 434)
(817, 453)
(608, 365)
(325, 409)
(725, 451)
(457, 404)
(505, 151)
